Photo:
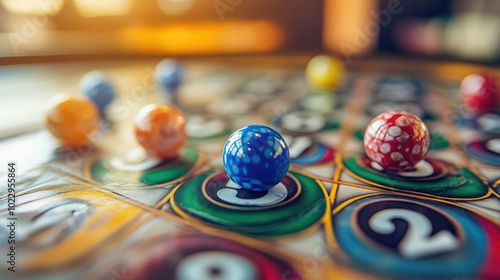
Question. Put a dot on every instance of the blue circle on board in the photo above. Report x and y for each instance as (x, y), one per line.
(320, 152)
(488, 123)
(98, 88)
(366, 254)
(479, 151)
(256, 157)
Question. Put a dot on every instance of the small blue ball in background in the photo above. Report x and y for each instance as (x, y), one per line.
(169, 75)
(256, 157)
(98, 88)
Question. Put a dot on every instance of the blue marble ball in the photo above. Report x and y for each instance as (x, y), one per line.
(98, 88)
(169, 75)
(256, 157)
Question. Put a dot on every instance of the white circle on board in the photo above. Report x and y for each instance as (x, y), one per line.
(230, 106)
(215, 265)
(198, 127)
(134, 160)
(273, 196)
(493, 145)
(303, 121)
(489, 122)
(421, 169)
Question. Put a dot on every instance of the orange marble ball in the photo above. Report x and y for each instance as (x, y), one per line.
(160, 129)
(72, 120)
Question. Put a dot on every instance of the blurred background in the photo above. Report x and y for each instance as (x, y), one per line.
(450, 29)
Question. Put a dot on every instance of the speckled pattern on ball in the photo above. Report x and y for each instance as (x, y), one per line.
(256, 157)
(396, 140)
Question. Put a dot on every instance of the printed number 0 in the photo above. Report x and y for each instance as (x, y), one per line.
(417, 241)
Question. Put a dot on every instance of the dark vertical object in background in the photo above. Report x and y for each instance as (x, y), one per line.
(302, 20)
(422, 9)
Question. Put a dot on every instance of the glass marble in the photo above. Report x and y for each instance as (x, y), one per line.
(169, 75)
(72, 120)
(97, 87)
(325, 72)
(160, 129)
(256, 157)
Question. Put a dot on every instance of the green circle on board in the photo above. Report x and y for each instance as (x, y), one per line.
(334, 125)
(460, 184)
(297, 215)
(439, 142)
(359, 134)
(429, 116)
(165, 172)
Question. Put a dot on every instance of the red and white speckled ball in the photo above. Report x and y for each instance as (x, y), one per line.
(479, 94)
(396, 140)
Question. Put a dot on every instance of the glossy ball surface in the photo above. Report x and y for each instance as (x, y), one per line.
(324, 72)
(256, 157)
(72, 120)
(160, 129)
(479, 94)
(169, 75)
(98, 88)
(396, 140)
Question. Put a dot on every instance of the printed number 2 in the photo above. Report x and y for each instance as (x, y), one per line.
(417, 241)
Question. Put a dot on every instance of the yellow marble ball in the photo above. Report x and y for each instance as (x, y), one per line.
(324, 72)
(72, 120)
(160, 129)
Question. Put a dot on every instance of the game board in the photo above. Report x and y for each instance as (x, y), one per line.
(113, 213)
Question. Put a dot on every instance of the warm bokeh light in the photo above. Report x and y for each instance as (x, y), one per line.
(473, 35)
(33, 7)
(204, 38)
(97, 8)
(349, 26)
(174, 7)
